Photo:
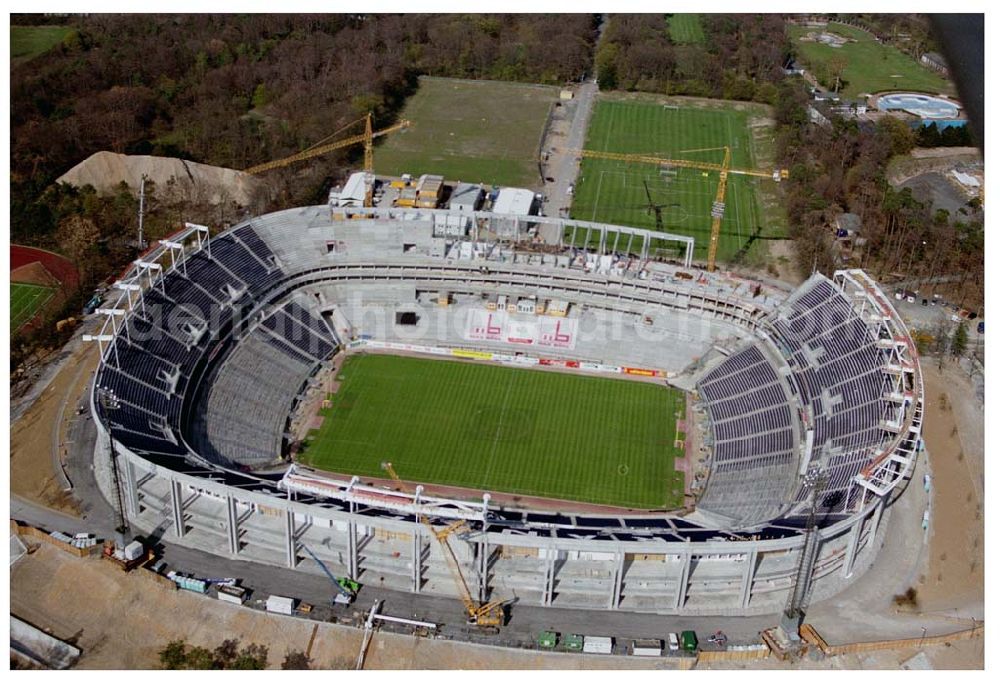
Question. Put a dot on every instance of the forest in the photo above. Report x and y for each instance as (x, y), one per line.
(842, 167)
(741, 57)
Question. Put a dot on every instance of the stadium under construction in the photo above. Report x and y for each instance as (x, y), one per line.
(218, 349)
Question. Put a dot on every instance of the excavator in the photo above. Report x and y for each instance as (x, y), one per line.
(485, 615)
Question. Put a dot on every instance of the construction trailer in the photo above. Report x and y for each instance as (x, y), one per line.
(466, 198)
(429, 190)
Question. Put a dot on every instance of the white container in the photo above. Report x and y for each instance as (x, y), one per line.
(647, 648)
(133, 550)
(280, 605)
(599, 645)
(232, 594)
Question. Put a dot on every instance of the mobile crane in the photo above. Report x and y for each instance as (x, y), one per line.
(482, 615)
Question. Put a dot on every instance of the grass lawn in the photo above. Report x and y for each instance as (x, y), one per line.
(613, 191)
(474, 131)
(489, 427)
(685, 29)
(27, 42)
(870, 66)
(25, 301)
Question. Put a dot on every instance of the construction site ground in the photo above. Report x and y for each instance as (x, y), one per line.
(122, 621)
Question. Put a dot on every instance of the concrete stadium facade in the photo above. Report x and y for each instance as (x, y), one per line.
(663, 563)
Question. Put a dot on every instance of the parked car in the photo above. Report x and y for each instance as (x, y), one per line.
(550, 179)
(673, 642)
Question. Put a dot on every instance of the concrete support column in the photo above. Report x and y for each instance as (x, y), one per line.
(748, 574)
(852, 548)
(418, 550)
(352, 544)
(233, 525)
(290, 539)
(131, 489)
(616, 588)
(682, 582)
(550, 577)
(484, 568)
(177, 506)
(877, 517)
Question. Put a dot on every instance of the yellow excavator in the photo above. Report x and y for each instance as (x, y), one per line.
(482, 615)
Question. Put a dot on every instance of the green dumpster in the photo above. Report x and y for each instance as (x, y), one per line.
(573, 642)
(548, 639)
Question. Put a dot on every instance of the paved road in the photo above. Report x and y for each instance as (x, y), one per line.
(563, 167)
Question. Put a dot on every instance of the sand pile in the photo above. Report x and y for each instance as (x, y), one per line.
(184, 179)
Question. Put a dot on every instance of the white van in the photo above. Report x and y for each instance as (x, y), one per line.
(673, 641)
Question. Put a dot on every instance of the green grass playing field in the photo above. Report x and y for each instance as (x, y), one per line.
(474, 131)
(27, 42)
(489, 427)
(870, 66)
(685, 29)
(25, 301)
(613, 191)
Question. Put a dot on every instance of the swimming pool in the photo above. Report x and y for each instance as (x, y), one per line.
(923, 106)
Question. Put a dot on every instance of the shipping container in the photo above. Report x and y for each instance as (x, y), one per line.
(647, 648)
(280, 604)
(233, 594)
(599, 645)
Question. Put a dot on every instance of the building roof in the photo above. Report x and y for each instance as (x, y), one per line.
(354, 189)
(465, 194)
(850, 221)
(936, 58)
(514, 201)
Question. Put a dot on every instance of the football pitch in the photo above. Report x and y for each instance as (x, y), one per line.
(685, 29)
(502, 429)
(25, 301)
(615, 191)
(474, 131)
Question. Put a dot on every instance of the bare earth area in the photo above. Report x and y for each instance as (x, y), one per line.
(953, 432)
(121, 621)
(42, 429)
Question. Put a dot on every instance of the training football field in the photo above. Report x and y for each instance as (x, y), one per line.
(474, 131)
(496, 428)
(25, 301)
(615, 191)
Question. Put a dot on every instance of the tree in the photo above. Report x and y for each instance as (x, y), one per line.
(959, 340)
(173, 655)
(296, 659)
(178, 655)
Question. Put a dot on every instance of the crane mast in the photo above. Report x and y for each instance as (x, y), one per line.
(484, 615)
(724, 170)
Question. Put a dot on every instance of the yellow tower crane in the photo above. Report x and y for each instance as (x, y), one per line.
(724, 170)
(482, 615)
(323, 147)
